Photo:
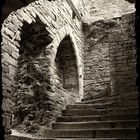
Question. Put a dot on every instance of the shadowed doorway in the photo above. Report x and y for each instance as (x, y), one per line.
(66, 73)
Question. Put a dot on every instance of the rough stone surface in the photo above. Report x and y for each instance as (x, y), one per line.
(110, 55)
(96, 58)
(31, 37)
(37, 84)
(107, 9)
(122, 50)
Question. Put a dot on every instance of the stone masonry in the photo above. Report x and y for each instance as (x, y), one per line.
(96, 58)
(110, 56)
(122, 51)
(28, 71)
(52, 57)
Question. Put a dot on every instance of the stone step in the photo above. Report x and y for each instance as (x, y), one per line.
(110, 99)
(12, 137)
(93, 111)
(133, 103)
(95, 124)
(109, 95)
(92, 139)
(100, 95)
(92, 133)
(130, 116)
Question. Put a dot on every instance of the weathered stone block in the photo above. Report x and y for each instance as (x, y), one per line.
(6, 57)
(7, 105)
(128, 18)
(5, 69)
(7, 123)
(6, 81)
(8, 32)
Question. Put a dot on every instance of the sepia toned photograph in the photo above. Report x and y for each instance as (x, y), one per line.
(69, 70)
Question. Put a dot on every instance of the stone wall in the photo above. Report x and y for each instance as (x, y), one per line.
(30, 77)
(109, 9)
(122, 46)
(110, 55)
(29, 68)
(96, 58)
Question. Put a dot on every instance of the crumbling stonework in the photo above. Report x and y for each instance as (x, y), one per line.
(49, 57)
(110, 55)
(122, 51)
(109, 9)
(34, 79)
(96, 58)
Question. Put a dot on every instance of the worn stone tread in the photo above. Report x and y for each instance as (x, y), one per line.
(103, 105)
(93, 139)
(98, 96)
(112, 98)
(92, 133)
(93, 111)
(12, 137)
(95, 124)
(128, 116)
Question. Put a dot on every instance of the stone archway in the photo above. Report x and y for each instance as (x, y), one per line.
(13, 50)
(66, 72)
(35, 78)
(65, 33)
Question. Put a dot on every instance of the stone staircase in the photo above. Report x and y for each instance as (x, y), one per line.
(107, 117)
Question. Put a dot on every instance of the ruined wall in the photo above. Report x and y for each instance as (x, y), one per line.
(96, 58)
(122, 46)
(110, 55)
(32, 75)
(108, 9)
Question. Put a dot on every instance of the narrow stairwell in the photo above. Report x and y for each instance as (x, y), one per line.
(108, 117)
